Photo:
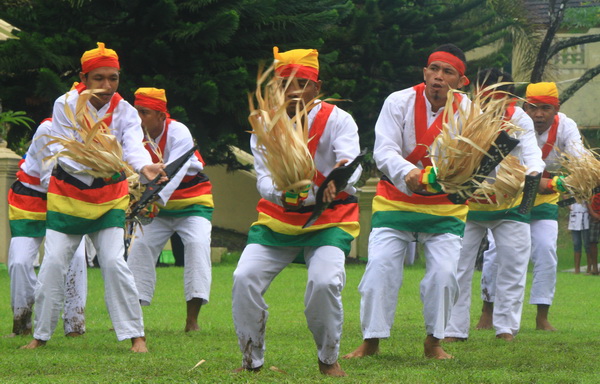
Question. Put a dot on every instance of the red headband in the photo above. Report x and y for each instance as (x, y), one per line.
(543, 100)
(449, 58)
(102, 61)
(151, 103)
(299, 71)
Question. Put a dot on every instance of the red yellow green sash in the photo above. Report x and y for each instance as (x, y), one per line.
(76, 208)
(416, 213)
(26, 211)
(337, 226)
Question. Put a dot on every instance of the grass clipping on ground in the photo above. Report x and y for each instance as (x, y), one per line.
(282, 140)
(93, 145)
(466, 137)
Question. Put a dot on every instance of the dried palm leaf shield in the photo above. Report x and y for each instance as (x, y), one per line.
(472, 144)
(281, 139)
(93, 146)
(508, 185)
(583, 180)
(340, 177)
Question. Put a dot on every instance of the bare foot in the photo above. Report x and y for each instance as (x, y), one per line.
(433, 349)
(544, 325)
(505, 336)
(191, 326)
(192, 310)
(367, 348)
(74, 334)
(138, 344)
(10, 335)
(485, 322)
(246, 369)
(454, 339)
(333, 370)
(33, 344)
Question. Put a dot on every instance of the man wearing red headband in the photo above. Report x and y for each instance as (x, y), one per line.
(185, 206)
(80, 204)
(509, 227)
(277, 237)
(404, 212)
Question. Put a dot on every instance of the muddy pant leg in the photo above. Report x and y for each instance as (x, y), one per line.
(255, 271)
(22, 253)
(50, 288)
(76, 292)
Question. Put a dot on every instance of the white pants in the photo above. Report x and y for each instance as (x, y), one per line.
(383, 278)
(544, 234)
(150, 240)
(22, 254)
(257, 268)
(489, 270)
(512, 239)
(120, 293)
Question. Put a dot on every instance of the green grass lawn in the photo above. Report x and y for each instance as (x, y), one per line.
(570, 355)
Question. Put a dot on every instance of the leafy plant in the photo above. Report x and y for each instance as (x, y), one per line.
(10, 119)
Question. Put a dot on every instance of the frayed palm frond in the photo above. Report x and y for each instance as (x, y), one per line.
(583, 169)
(459, 149)
(509, 183)
(93, 146)
(281, 139)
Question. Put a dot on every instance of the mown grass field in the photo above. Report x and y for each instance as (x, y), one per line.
(570, 355)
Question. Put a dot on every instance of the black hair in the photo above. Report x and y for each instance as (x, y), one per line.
(489, 76)
(453, 49)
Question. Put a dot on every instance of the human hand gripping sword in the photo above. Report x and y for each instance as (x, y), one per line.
(340, 177)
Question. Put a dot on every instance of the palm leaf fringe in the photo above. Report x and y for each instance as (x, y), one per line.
(458, 150)
(92, 145)
(509, 183)
(281, 139)
(583, 170)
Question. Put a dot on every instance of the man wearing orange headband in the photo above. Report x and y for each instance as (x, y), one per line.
(556, 134)
(404, 212)
(80, 204)
(509, 227)
(277, 237)
(185, 206)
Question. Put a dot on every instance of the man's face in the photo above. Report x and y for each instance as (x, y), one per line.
(152, 120)
(542, 115)
(106, 78)
(303, 89)
(439, 78)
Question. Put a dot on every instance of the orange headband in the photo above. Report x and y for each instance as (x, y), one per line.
(449, 58)
(99, 57)
(299, 71)
(151, 98)
(543, 100)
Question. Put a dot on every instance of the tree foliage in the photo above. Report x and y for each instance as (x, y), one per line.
(206, 53)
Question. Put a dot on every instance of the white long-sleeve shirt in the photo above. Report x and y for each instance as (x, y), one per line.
(37, 151)
(395, 135)
(568, 139)
(125, 126)
(339, 141)
(528, 151)
(179, 141)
